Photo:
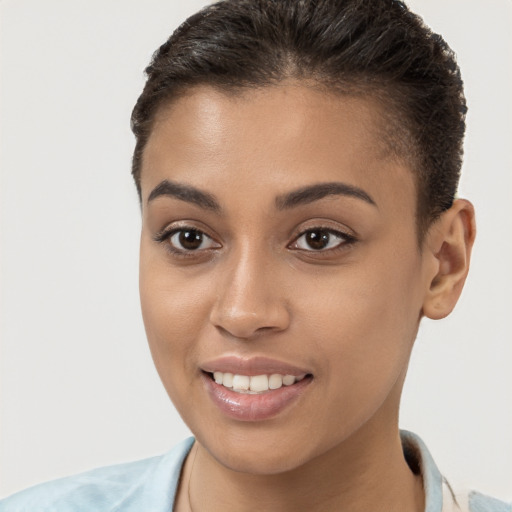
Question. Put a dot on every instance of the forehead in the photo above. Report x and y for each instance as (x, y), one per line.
(284, 135)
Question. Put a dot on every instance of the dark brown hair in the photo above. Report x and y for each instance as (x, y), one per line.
(375, 47)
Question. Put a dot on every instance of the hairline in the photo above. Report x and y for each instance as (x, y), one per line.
(398, 146)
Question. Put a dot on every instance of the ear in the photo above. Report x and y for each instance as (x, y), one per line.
(448, 247)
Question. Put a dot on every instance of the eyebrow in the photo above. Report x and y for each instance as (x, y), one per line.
(312, 193)
(185, 193)
(301, 196)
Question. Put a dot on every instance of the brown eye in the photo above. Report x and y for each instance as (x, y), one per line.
(190, 240)
(317, 239)
(321, 239)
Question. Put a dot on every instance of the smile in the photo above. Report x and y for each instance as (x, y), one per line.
(253, 397)
(255, 384)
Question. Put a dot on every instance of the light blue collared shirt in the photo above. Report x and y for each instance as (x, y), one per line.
(150, 486)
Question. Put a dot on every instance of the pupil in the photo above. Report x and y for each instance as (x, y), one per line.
(191, 239)
(317, 239)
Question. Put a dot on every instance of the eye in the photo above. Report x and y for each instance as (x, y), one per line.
(191, 240)
(185, 239)
(321, 239)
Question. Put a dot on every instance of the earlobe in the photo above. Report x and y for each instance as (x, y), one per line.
(449, 244)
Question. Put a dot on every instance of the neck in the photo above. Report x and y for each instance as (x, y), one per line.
(366, 471)
(355, 476)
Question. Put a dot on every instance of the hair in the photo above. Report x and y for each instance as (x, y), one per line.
(353, 47)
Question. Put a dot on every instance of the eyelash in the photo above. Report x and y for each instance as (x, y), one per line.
(166, 235)
(345, 240)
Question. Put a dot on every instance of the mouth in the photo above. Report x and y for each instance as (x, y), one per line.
(244, 391)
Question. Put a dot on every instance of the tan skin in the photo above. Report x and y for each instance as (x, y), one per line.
(348, 312)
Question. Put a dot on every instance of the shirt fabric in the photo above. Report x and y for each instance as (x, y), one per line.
(150, 486)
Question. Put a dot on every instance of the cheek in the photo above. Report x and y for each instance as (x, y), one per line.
(363, 325)
(174, 311)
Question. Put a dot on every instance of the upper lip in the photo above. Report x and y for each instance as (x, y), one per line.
(251, 366)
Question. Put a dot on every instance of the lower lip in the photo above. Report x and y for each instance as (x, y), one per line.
(249, 407)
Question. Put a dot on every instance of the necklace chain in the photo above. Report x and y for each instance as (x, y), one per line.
(190, 477)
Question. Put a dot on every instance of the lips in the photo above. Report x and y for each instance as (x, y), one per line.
(252, 366)
(253, 389)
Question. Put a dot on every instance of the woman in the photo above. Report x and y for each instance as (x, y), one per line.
(297, 167)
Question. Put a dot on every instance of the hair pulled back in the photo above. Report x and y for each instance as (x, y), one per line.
(375, 47)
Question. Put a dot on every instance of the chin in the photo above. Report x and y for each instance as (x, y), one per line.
(259, 450)
(259, 460)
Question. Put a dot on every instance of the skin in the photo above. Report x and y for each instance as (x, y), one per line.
(349, 314)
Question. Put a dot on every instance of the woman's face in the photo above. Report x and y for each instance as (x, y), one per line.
(279, 238)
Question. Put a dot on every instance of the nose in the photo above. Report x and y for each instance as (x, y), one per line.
(250, 299)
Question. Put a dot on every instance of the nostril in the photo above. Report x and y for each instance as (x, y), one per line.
(246, 315)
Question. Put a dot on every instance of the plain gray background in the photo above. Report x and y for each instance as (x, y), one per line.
(78, 389)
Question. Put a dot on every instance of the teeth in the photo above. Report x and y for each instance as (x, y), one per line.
(227, 380)
(259, 383)
(275, 381)
(256, 383)
(241, 382)
(288, 380)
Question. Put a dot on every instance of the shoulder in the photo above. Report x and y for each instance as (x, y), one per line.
(99, 488)
(471, 501)
(481, 503)
(439, 495)
(148, 484)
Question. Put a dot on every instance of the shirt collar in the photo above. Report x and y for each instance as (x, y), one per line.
(420, 460)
